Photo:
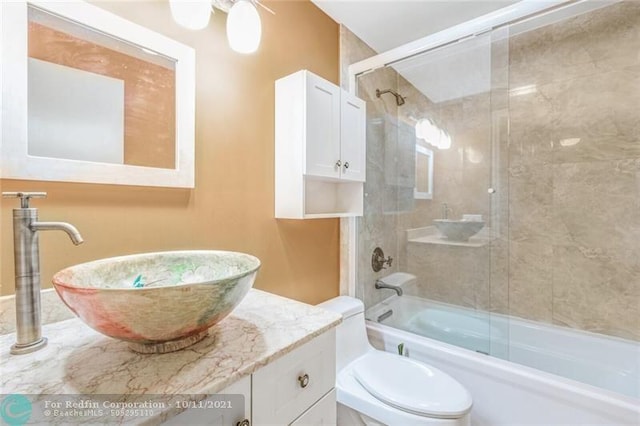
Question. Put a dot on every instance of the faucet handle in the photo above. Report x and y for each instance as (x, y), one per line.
(24, 197)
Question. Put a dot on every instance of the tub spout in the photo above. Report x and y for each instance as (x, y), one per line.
(71, 230)
(380, 284)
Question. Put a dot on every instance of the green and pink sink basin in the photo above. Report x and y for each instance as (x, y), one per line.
(158, 302)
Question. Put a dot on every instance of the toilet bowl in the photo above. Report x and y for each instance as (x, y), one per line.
(379, 388)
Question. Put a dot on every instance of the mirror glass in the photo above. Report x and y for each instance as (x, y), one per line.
(88, 96)
(424, 173)
(95, 97)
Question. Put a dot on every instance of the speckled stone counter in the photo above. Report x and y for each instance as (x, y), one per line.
(79, 360)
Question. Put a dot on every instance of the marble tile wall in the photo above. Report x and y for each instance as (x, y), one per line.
(566, 221)
(379, 227)
(574, 172)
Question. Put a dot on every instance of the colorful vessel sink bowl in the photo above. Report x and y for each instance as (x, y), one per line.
(158, 302)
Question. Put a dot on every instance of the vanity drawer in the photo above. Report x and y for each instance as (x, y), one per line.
(323, 413)
(287, 387)
(210, 416)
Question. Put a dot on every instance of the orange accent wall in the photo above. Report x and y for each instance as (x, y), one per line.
(232, 206)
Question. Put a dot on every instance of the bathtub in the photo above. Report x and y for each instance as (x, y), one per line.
(536, 374)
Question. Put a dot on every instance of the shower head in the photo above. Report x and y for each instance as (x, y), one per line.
(399, 98)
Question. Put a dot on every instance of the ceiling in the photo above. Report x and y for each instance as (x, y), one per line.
(385, 24)
(442, 75)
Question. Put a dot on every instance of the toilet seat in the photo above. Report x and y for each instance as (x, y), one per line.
(411, 386)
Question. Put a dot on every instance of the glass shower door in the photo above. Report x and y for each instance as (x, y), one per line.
(432, 189)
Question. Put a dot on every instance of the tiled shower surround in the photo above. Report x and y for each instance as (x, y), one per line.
(557, 134)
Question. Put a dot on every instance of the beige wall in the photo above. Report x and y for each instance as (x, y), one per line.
(231, 207)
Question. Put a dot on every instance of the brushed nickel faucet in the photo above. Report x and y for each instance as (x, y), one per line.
(26, 255)
(381, 284)
(445, 211)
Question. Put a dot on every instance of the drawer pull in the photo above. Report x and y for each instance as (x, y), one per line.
(303, 380)
(245, 422)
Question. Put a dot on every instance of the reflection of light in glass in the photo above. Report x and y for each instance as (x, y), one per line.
(244, 28)
(474, 156)
(191, 14)
(523, 90)
(445, 140)
(419, 134)
(570, 141)
(149, 51)
(432, 134)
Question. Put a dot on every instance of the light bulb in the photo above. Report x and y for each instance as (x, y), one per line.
(191, 14)
(244, 28)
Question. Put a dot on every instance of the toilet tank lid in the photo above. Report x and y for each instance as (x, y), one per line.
(344, 305)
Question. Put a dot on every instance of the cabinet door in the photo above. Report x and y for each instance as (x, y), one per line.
(322, 128)
(353, 137)
(322, 413)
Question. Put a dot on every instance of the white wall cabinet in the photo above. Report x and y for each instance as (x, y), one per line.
(320, 149)
(353, 142)
(321, 137)
(295, 389)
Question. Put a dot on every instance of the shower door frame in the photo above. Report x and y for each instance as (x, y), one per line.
(517, 12)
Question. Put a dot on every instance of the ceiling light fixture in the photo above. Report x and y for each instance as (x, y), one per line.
(244, 28)
(191, 14)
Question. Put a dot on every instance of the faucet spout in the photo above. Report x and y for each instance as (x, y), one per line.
(445, 211)
(380, 284)
(71, 230)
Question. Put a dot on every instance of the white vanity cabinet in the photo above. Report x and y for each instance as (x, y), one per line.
(295, 389)
(320, 152)
(226, 417)
(299, 387)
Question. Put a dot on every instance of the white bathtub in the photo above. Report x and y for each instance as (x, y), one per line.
(600, 383)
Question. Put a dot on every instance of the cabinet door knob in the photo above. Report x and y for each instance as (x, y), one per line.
(346, 165)
(338, 163)
(245, 422)
(303, 380)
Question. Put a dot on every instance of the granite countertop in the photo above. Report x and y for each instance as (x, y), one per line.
(79, 360)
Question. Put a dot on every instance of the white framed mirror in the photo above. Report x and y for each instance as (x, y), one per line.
(423, 189)
(90, 97)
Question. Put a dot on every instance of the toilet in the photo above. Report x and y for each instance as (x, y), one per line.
(379, 388)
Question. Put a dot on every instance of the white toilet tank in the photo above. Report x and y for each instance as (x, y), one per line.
(351, 334)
